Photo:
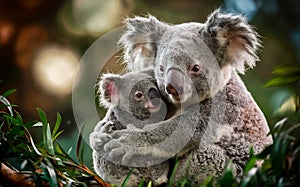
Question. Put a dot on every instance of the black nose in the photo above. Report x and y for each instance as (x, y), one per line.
(174, 91)
(154, 96)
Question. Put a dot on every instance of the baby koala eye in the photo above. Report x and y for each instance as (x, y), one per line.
(196, 68)
(139, 95)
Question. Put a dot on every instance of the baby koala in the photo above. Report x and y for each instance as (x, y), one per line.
(133, 101)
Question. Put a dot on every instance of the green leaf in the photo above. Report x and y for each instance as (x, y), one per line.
(29, 124)
(281, 81)
(184, 182)
(171, 179)
(250, 164)
(250, 175)
(297, 103)
(149, 184)
(280, 182)
(141, 184)
(79, 147)
(57, 124)
(228, 177)
(7, 104)
(286, 70)
(56, 135)
(15, 131)
(42, 116)
(19, 118)
(47, 137)
(127, 178)
(32, 142)
(278, 154)
(52, 173)
(59, 149)
(9, 92)
(206, 181)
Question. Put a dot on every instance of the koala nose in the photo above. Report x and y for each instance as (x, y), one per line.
(154, 97)
(175, 83)
(174, 91)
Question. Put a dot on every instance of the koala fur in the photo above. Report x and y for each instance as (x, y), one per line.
(197, 64)
(133, 100)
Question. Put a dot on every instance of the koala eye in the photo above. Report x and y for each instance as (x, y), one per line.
(161, 68)
(139, 95)
(196, 68)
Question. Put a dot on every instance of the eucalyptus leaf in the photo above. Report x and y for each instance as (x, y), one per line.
(57, 125)
(282, 81)
(149, 184)
(127, 178)
(9, 92)
(42, 116)
(286, 70)
(52, 174)
(56, 135)
(7, 104)
(141, 184)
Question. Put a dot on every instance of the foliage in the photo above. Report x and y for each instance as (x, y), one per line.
(281, 164)
(288, 76)
(46, 163)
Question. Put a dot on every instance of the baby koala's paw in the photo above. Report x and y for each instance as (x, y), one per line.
(107, 127)
(114, 151)
(98, 140)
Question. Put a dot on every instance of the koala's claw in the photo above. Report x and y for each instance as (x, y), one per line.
(99, 140)
(112, 144)
(107, 127)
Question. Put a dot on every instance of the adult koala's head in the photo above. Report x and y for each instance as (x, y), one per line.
(190, 59)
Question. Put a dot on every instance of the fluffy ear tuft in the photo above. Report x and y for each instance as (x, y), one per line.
(108, 90)
(139, 40)
(236, 40)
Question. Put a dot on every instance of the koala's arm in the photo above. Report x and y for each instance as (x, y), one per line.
(160, 140)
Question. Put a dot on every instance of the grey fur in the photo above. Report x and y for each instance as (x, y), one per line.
(124, 112)
(233, 44)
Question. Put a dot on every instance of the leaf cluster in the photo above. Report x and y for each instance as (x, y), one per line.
(45, 162)
(287, 76)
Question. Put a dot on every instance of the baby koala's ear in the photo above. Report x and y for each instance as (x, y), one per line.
(108, 90)
(234, 40)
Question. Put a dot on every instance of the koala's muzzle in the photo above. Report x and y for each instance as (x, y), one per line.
(175, 83)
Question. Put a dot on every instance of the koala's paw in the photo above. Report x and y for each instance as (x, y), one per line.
(107, 127)
(132, 159)
(98, 141)
(114, 151)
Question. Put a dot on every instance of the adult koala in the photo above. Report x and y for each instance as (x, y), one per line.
(207, 57)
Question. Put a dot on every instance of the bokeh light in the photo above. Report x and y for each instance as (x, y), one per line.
(93, 17)
(54, 68)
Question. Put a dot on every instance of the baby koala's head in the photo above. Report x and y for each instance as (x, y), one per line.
(135, 93)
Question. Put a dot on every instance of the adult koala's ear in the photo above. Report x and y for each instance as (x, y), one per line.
(139, 42)
(108, 90)
(232, 40)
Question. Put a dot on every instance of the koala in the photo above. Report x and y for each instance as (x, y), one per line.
(197, 64)
(133, 100)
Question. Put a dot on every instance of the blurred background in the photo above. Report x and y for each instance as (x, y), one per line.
(42, 41)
